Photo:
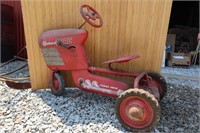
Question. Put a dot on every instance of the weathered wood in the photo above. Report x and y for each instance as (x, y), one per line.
(130, 26)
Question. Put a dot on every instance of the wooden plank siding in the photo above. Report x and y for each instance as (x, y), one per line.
(130, 26)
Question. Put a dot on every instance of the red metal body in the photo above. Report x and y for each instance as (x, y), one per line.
(63, 49)
(60, 58)
(70, 55)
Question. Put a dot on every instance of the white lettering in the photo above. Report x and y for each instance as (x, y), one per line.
(94, 86)
(105, 86)
(67, 40)
(113, 87)
(45, 43)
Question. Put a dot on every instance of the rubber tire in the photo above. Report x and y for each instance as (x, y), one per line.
(61, 82)
(160, 79)
(148, 97)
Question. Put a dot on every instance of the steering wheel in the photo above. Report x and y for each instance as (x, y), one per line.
(91, 16)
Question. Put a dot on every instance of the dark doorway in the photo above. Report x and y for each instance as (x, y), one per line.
(184, 23)
(12, 30)
(8, 41)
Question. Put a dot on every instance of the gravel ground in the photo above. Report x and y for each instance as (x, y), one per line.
(42, 112)
(194, 71)
(13, 65)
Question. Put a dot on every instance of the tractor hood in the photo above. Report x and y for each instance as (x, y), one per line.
(67, 36)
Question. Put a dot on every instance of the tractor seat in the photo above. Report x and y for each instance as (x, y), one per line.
(122, 59)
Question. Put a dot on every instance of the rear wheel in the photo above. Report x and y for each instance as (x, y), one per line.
(57, 85)
(159, 82)
(137, 109)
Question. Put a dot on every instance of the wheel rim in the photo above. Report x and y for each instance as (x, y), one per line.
(136, 112)
(55, 84)
(157, 84)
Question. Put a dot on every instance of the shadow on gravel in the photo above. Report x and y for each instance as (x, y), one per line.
(179, 109)
(88, 109)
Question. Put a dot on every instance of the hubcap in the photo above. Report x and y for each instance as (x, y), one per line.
(136, 113)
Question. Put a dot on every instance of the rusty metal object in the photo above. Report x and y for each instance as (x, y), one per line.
(13, 79)
(138, 78)
(16, 83)
(17, 69)
(136, 113)
(7, 62)
(17, 57)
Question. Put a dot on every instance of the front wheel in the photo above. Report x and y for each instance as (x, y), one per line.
(137, 109)
(57, 84)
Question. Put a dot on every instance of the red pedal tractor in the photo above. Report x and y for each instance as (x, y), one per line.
(137, 105)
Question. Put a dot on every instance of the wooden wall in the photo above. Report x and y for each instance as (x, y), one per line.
(130, 26)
